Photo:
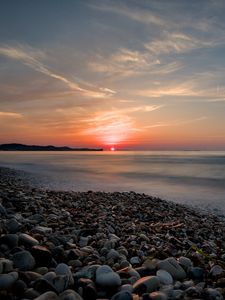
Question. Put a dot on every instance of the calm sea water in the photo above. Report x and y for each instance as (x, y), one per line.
(190, 177)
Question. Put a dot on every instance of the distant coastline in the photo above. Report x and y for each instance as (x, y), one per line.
(22, 147)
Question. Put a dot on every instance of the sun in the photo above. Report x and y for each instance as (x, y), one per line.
(112, 149)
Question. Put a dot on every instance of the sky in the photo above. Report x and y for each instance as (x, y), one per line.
(132, 74)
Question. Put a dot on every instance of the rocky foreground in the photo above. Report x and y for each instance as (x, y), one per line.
(95, 245)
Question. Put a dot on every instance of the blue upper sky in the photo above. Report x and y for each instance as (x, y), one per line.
(142, 74)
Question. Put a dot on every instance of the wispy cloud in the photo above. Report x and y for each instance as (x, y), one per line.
(129, 57)
(185, 89)
(129, 63)
(31, 58)
(10, 114)
(176, 122)
(201, 86)
(122, 63)
(135, 14)
(176, 42)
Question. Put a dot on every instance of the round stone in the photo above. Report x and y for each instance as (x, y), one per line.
(105, 277)
(23, 260)
(11, 240)
(216, 271)
(63, 269)
(42, 255)
(2, 210)
(123, 295)
(19, 288)
(48, 296)
(70, 295)
(212, 294)
(6, 265)
(113, 254)
(13, 225)
(83, 241)
(164, 277)
(27, 240)
(42, 285)
(135, 260)
(89, 292)
(158, 296)
(61, 283)
(196, 273)
(7, 280)
(185, 262)
(127, 287)
(172, 266)
(42, 230)
(146, 284)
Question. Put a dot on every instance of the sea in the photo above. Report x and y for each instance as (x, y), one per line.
(195, 178)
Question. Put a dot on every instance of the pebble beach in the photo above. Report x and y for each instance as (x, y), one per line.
(113, 246)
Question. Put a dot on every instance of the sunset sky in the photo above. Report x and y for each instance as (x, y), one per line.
(137, 74)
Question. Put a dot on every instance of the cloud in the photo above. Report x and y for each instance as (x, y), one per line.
(136, 14)
(142, 108)
(185, 89)
(129, 57)
(31, 58)
(10, 114)
(176, 43)
(176, 122)
(183, 122)
(123, 63)
(129, 63)
(200, 86)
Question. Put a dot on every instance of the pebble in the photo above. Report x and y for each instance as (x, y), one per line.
(7, 280)
(48, 296)
(196, 273)
(105, 277)
(19, 287)
(27, 240)
(42, 255)
(3, 212)
(70, 295)
(212, 294)
(164, 277)
(42, 230)
(11, 240)
(87, 272)
(61, 282)
(216, 270)
(135, 260)
(172, 266)
(6, 265)
(146, 284)
(83, 241)
(63, 269)
(158, 296)
(185, 262)
(113, 254)
(13, 225)
(23, 260)
(123, 295)
(42, 285)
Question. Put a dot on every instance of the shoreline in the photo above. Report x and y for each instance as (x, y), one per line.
(102, 245)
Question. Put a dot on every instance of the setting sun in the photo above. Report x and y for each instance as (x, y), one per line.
(112, 149)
